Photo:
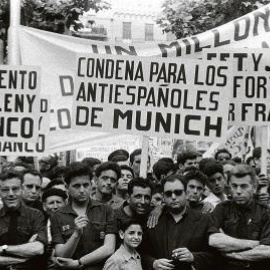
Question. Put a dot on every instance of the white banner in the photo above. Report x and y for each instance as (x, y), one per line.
(153, 97)
(19, 103)
(57, 56)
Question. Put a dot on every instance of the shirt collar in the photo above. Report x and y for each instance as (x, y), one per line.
(69, 210)
(127, 255)
(20, 210)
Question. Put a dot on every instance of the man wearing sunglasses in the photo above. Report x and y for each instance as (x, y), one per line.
(179, 240)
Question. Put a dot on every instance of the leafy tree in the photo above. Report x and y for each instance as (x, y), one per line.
(190, 17)
(50, 15)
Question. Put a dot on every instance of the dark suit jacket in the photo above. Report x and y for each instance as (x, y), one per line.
(193, 236)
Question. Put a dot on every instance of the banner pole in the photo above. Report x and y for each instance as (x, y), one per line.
(264, 150)
(13, 41)
(144, 156)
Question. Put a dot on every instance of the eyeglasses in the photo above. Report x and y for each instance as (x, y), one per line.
(177, 192)
(13, 189)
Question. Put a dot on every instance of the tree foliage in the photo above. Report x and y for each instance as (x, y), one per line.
(50, 15)
(190, 17)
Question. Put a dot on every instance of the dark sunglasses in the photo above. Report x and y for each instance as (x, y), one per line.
(177, 192)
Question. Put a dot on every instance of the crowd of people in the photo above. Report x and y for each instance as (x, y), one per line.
(191, 214)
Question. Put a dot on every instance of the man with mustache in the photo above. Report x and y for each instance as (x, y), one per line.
(83, 232)
(107, 175)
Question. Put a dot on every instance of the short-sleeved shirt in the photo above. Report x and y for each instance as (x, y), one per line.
(251, 222)
(101, 222)
(123, 259)
(30, 222)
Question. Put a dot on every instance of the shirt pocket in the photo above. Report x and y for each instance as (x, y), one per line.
(254, 230)
(98, 231)
(25, 233)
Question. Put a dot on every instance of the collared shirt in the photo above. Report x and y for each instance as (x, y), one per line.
(101, 222)
(123, 259)
(251, 222)
(115, 202)
(213, 199)
(30, 222)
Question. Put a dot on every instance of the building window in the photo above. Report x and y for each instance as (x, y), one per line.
(126, 30)
(149, 32)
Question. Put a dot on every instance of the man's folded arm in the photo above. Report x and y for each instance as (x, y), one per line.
(225, 243)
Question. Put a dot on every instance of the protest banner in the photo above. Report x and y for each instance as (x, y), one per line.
(36, 47)
(19, 103)
(32, 148)
(153, 97)
(250, 104)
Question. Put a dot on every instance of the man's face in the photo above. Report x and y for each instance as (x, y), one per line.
(194, 190)
(242, 189)
(106, 182)
(136, 165)
(53, 203)
(157, 199)
(191, 163)
(216, 183)
(79, 189)
(10, 192)
(31, 187)
(139, 200)
(174, 196)
(123, 181)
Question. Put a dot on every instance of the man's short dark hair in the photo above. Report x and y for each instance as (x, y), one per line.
(185, 155)
(212, 168)
(222, 150)
(11, 174)
(77, 169)
(133, 154)
(173, 178)
(195, 174)
(157, 188)
(33, 172)
(109, 165)
(163, 166)
(242, 170)
(54, 192)
(139, 182)
(128, 168)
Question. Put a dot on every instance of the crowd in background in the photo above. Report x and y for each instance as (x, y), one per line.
(192, 213)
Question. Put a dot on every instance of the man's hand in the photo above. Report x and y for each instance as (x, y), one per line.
(80, 223)
(183, 255)
(163, 264)
(154, 216)
(67, 263)
(207, 208)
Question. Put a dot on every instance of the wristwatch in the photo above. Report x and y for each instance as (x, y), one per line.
(4, 250)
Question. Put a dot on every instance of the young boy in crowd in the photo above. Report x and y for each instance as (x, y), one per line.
(126, 257)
